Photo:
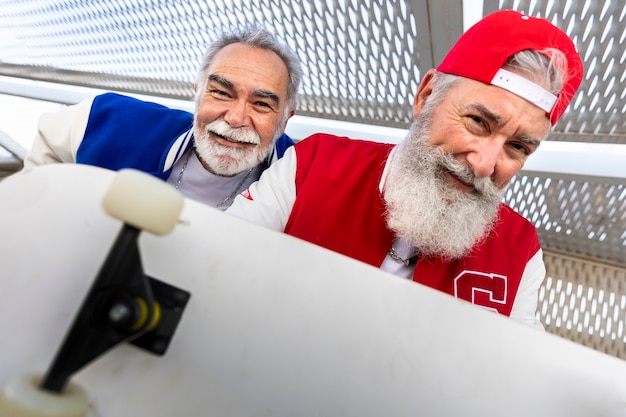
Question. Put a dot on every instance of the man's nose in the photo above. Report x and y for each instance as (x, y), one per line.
(237, 114)
(484, 158)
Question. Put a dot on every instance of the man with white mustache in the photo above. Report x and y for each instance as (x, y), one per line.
(429, 209)
(245, 93)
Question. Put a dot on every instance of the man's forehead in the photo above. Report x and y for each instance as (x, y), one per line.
(258, 70)
(240, 55)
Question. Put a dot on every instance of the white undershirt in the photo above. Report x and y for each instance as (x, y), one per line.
(201, 185)
(404, 251)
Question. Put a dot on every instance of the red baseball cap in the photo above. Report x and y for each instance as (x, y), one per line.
(482, 50)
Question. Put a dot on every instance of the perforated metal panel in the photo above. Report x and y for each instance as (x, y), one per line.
(578, 215)
(362, 58)
(585, 302)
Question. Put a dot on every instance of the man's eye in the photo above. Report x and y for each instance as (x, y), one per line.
(477, 120)
(217, 92)
(519, 147)
(476, 124)
(264, 105)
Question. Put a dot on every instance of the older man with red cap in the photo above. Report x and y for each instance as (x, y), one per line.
(429, 209)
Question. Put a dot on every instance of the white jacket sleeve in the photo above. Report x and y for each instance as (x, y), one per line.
(525, 305)
(268, 201)
(59, 135)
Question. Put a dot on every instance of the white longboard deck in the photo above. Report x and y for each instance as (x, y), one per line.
(275, 326)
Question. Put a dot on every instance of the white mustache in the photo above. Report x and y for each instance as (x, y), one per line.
(464, 173)
(234, 134)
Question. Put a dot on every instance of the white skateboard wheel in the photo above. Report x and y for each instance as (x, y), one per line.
(143, 201)
(23, 398)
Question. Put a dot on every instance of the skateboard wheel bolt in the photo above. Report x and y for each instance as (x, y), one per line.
(119, 313)
(128, 313)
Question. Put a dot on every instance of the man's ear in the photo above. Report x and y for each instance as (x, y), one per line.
(423, 91)
(286, 120)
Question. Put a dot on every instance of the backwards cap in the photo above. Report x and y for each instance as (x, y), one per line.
(481, 52)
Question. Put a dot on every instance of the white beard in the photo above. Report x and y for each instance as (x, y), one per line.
(425, 210)
(226, 160)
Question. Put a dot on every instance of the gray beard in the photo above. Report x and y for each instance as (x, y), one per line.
(225, 160)
(426, 211)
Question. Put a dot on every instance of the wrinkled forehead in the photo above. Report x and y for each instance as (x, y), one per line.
(243, 66)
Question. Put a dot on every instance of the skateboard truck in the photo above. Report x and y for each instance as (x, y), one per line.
(123, 304)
